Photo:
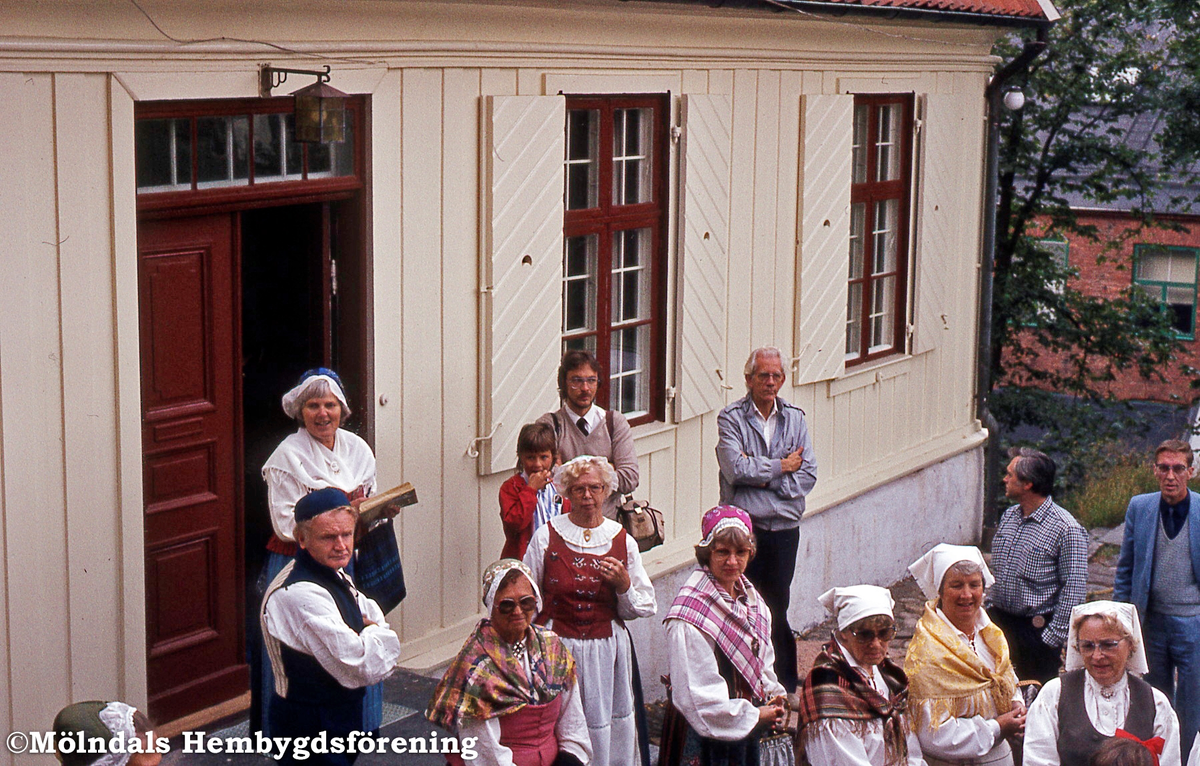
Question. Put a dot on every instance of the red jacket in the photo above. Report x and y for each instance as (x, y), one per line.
(518, 501)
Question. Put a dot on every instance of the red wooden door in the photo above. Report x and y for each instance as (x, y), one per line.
(190, 417)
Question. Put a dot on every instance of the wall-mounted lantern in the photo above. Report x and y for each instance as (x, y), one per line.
(320, 108)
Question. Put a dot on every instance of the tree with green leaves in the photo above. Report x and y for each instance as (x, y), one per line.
(1108, 64)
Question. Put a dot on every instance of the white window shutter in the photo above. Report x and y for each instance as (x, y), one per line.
(827, 124)
(936, 228)
(704, 235)
(521, 312)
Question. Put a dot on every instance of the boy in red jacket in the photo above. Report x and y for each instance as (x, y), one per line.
(528, 500)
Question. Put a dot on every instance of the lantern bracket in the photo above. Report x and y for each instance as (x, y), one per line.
(270, 77)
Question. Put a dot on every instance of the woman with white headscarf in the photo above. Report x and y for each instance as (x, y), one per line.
(513, 686)
(1101, 695)
(854, 702)
(319, 455)
(963, 693)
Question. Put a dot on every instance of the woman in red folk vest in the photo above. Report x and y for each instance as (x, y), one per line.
(592, 576)
(513, 689)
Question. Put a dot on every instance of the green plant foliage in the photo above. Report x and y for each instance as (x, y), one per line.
(1113, 478)
(1107, 62)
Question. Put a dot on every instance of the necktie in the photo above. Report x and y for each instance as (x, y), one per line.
(582, 423)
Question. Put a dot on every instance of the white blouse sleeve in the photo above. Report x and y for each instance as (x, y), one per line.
(698, 690)
(487, 741)
(834, 743)
(957, 738)
(639, 600)
(1041, 727)
(535, 553)
(283, 492)
(1194, 757)
(1166, 725)
(304, 617)
(571, 729)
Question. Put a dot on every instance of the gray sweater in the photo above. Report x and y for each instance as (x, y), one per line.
(619, 449)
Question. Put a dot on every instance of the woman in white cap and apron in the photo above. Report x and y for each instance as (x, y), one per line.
(854, 702)
(1101, 695)
(963, 694)
(319, 455)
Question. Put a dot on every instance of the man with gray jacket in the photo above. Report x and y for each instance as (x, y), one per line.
(767, 468)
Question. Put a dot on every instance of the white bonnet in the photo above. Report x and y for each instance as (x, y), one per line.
(930, 569)
(1126, 614)
(853, 603)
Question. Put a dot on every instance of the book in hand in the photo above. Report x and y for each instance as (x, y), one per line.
(386, 505)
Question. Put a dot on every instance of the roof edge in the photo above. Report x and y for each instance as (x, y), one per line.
(885, 12)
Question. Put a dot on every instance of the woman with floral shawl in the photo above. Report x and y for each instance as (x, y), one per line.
(962, 689)
(513, 686)
(854, 702)
(723, 682)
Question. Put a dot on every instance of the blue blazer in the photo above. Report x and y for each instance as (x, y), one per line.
(1134, 567)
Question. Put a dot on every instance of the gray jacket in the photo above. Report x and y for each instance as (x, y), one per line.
(752, 476)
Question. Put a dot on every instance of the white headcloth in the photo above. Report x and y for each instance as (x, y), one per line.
(1126, 614)
(851, 604)
(930, 569)
(494, 575)
(293, 401)
(117, 717)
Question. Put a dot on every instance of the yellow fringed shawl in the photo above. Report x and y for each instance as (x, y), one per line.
(945, 674)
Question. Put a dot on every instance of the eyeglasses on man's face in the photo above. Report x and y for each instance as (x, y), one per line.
(578, 382)
(1179, 469)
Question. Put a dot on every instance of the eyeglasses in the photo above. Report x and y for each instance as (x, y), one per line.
(1178, 469)
(1091, 647)
(581, 382)
(593, 489)
(507, 605)
(867, 636)
(769, 376)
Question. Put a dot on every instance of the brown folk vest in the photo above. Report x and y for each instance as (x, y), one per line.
(1077, 738)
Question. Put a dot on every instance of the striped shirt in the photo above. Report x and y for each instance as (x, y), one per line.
(1040, 564)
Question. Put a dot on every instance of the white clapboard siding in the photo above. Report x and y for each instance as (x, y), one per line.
(707, 146)
(937, 237)
(826, 133)
(523, 252)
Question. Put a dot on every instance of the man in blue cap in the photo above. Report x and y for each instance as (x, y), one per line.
(326, 640)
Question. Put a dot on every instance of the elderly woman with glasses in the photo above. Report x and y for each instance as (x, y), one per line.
(1101, 695)
(513, 690)
(723, 681)
(854, 702)
(592, 576)
(963, 694)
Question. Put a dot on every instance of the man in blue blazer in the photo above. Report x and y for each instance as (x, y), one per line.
(1158, 572)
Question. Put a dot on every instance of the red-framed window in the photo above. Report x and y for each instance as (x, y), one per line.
(880, 194)
(198, 153)
(614, 251)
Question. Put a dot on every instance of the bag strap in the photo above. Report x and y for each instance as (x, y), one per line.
(557, 430)
(608, 420)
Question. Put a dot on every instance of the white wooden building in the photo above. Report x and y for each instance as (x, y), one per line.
(167, 253)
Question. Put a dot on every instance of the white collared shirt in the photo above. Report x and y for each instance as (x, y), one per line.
(768, 423)
(594, 418)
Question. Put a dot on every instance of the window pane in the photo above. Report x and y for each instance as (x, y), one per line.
(1154, 266)
(222, 151)
(854, 321)
(631, 156)
(583, 343)
(1182, 303)
(883, 314)
(859, 155)
(164, 155)
(583, 131)
(887, 160)
(858, 220)
(883, 258)
(630, 275)
(629, 363)
(579, 283)
(277, 157)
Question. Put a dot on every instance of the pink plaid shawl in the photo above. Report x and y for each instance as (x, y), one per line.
(741, 628)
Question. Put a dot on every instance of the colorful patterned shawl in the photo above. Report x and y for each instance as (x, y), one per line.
(486, 680)
(947, 675)
(740, 628)
(835, 690)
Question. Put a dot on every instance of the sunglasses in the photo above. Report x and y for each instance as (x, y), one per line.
(508, 605)
(867, 636)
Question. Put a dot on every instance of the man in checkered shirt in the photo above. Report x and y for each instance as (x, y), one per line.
(1039, 557)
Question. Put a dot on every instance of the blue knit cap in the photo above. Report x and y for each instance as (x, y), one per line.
(317, 502)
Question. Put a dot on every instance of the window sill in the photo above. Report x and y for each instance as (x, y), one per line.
(872, 373)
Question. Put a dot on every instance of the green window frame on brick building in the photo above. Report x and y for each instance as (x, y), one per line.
(1169, 273)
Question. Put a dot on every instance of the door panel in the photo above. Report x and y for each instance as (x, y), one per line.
(194, 571)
